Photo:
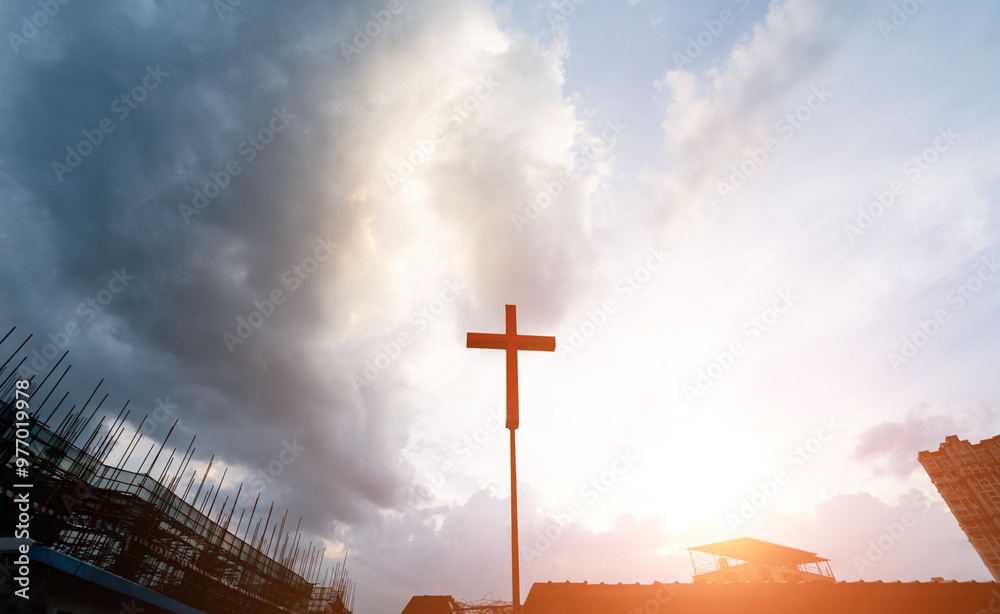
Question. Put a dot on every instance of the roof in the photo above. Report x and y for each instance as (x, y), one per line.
(764, 598)
(430, 604)
(760, 551)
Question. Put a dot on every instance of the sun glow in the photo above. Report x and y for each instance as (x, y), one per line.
(705, 483)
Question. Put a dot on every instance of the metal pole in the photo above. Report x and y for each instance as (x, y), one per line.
(516, 578)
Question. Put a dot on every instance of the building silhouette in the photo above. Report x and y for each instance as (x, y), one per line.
(446, 604)
(431, 604)
(105, 540)
(764, 598)
(746, 559)
(752, 576)
(968, 478)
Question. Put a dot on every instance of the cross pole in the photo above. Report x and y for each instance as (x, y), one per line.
(511, 342)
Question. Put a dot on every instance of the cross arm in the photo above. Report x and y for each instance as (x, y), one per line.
(489, 341)
(539, 344)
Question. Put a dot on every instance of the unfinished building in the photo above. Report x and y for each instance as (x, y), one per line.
(102, 535)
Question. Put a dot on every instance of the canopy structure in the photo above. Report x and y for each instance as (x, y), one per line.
(761, 558)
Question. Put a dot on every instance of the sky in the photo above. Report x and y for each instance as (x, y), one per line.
(766, 237)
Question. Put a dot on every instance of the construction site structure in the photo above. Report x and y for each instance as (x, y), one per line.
(746, 559)
(99, 532)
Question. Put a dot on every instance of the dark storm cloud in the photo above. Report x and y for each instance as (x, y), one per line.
(228, 168)
(114, 115)
(261, 278)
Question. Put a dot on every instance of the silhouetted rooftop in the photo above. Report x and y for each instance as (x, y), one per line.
(430, 604)
(765, 598)
(759, 551)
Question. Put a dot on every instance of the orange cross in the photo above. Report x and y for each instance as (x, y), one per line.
(511, 342)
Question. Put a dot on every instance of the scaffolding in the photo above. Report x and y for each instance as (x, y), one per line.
(135, 525)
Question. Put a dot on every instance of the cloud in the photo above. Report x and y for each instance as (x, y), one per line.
(864, 537)
(236, 168)
(712, 117)
(876, 540)
(891, 447)
(429, 552)
(316, 192)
